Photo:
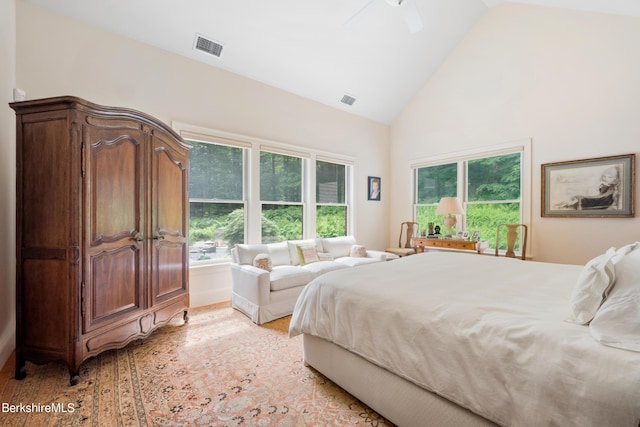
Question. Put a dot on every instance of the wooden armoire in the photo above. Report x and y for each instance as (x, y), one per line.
(101, 237)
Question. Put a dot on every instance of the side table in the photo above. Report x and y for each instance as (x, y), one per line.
(456, 244)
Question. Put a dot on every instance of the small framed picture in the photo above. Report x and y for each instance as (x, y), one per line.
(476, 235)
(374, 188)
(465, 235)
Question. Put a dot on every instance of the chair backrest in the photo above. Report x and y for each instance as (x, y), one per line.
(411, 228)
(512, 236)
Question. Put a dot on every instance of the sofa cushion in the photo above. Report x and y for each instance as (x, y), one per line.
(321, 267)
(338, 246)
(293, 248)
(278, 252)
(287, 276)
(247, 253)
(353, 261)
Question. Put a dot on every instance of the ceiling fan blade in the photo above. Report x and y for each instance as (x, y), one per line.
(360, 14)
(412, 16)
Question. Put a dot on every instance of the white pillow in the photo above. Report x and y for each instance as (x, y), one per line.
(338, 246)
(278, 252)
(323, 256)
(623, 251)
(617, 322)
(247, 253)
(594, 284)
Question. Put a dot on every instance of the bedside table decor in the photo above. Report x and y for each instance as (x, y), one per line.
(449, 206)
(456, 244)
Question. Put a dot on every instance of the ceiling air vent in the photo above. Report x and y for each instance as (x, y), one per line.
(348, 99)
(208, 46)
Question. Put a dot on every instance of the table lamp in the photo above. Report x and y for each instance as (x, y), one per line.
(449, 206)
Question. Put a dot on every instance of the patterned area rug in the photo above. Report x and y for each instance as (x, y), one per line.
(220, 369)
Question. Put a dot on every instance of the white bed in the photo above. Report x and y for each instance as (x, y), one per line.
(456, 339)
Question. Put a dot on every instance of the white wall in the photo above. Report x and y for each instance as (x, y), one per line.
(7, 180)
(569, 80)
(59, 56)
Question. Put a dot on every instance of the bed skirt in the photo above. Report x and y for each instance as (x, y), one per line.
(398, 400)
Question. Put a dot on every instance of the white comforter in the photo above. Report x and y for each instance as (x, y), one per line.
(487, 333)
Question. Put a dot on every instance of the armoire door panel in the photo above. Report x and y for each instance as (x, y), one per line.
(116, 191)
(169, 256)
(114, 286)
(51, 148)
(169, 183)
(169, 270)
(45, 283)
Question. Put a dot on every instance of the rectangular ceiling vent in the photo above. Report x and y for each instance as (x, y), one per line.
(348, 99)
(208, 46)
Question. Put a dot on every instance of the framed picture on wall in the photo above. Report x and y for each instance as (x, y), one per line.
(601, 187)
(374, 187)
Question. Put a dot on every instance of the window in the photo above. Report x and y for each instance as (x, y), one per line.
(432, 184)
(493, 194)
(216, 200)
(490, 185)
(249, 190)
(281, 197)
(331, 199)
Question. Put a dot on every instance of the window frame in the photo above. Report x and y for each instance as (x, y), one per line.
(304, 166)
(251, 189)
(348, 173)
(462, 158)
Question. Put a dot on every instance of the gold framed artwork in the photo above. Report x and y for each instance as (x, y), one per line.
(601, 187)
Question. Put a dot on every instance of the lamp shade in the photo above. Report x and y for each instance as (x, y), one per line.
(449, 205)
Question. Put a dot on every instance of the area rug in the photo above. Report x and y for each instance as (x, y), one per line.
(219, 369)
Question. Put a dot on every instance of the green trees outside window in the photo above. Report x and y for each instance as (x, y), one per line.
(331, 196)
(218, 197)
(281, 197)
(491, 192)
(216, 206)
(433, 183)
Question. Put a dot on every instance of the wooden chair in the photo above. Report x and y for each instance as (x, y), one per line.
(407, 229)
(512, 237)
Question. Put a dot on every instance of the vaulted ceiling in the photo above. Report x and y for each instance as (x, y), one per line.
(320, 49)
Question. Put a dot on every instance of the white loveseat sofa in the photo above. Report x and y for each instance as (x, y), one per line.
(265, 295)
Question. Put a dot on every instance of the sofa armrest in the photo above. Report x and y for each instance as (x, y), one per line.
(379, 255)
(252, 283)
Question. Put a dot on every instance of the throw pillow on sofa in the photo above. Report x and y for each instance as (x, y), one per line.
(358, 251)
(324, 256)
(263, 261)
(294, 258)
(307, 254)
